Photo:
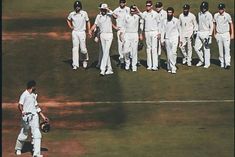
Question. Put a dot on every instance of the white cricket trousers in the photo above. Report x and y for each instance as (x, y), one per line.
(106, 41)
(152, 55)
(36, 134)
(223, 41)
(199, 45)
(120, 46)
(187, 44)
(130, 49)
(171, 49)
(79, 41)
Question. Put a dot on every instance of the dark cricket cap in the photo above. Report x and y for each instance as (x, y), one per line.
(149, 2)
(122, 1)
(158, 5)
(186, 7)
(221, 6)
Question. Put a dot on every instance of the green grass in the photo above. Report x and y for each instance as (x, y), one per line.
(114, 130)
(137, 130)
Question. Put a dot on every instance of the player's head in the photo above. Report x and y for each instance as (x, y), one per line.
(204, 6)
(149, 5)
(186, 8)
(31, 85)
(133, 9)
(103, 8)
(159, 6)
(170, 13)
(122, 3)
(77, 6)
(221, 8)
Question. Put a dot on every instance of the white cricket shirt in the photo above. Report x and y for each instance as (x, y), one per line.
(104, 22)
(28, 101)
(152, 21)
(222, 22)
(205, 22)
(188, 24)
(121, 13)
(131, 23)
(171, 29)
(79, 20)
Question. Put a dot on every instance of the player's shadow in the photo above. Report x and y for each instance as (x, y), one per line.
(68, 61)
(215, 62)
(28, 147)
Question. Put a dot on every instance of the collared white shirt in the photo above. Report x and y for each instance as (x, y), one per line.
(104, 22)
(188, 24)
(163, 15)
(152, 21)
(222, 22)
(171, 29)
(79, 20)
(205, 22)
(131, 23)
(28, 101)
(121, 13)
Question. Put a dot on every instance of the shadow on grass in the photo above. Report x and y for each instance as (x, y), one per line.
(28, 147)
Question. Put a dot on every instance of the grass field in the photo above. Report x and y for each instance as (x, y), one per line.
(36, 44)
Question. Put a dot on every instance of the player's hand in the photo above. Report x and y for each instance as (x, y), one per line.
(232, 36)
(159, 36)
(89, 34)
(141, 37)
(180, 44)
(46, 119)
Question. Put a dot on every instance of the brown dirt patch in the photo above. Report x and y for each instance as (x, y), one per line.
(16, 36)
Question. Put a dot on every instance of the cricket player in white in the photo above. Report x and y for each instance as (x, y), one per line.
(104, 22)
(224, 32)
(77, 21)
(204, 35)
(163, 16)
(119, 14)
(188, 26)
(129, 36)
(152, 26)
(170, 38)
(30, 112)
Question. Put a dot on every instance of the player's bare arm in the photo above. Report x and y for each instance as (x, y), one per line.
(231, 30)
(70, 24)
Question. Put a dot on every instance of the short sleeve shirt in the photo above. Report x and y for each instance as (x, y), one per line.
(29, 102)
(79, 20)
(222, 22)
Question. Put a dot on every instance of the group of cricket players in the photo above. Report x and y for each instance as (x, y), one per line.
(161, 30)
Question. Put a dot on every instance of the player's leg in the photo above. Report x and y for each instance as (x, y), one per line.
(154, 51)
(220, 46)
(126, 51)
(174, 43)
(36, 135)
(198, 49)
(226, 40)
(148, 50)
(168, 52)
(207, 53)
(183, 50)
(100, 55)
(189, 56)
(120, 50)
(84, 52)
(108, 61)
(75, 54)
(134, 52)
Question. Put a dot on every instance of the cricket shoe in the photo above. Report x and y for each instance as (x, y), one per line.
(84, 64)
(37, 155)
(109, 72)
(184, 61)
(155, 69)
(102, 73)
(75, 67)
(149, 68)
(227, 67)
(206, 66)
(189, 64)
(199, 64)
(173, 72)
(18, 152)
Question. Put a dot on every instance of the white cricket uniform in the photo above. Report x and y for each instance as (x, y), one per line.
(222, 36)
(205, 30)
(104, 22)
(163, 16)
(79, 21)
(131, 39)
(31, 120)
(152, 27)
(170, 35)
(188, 25)
(121, 13)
